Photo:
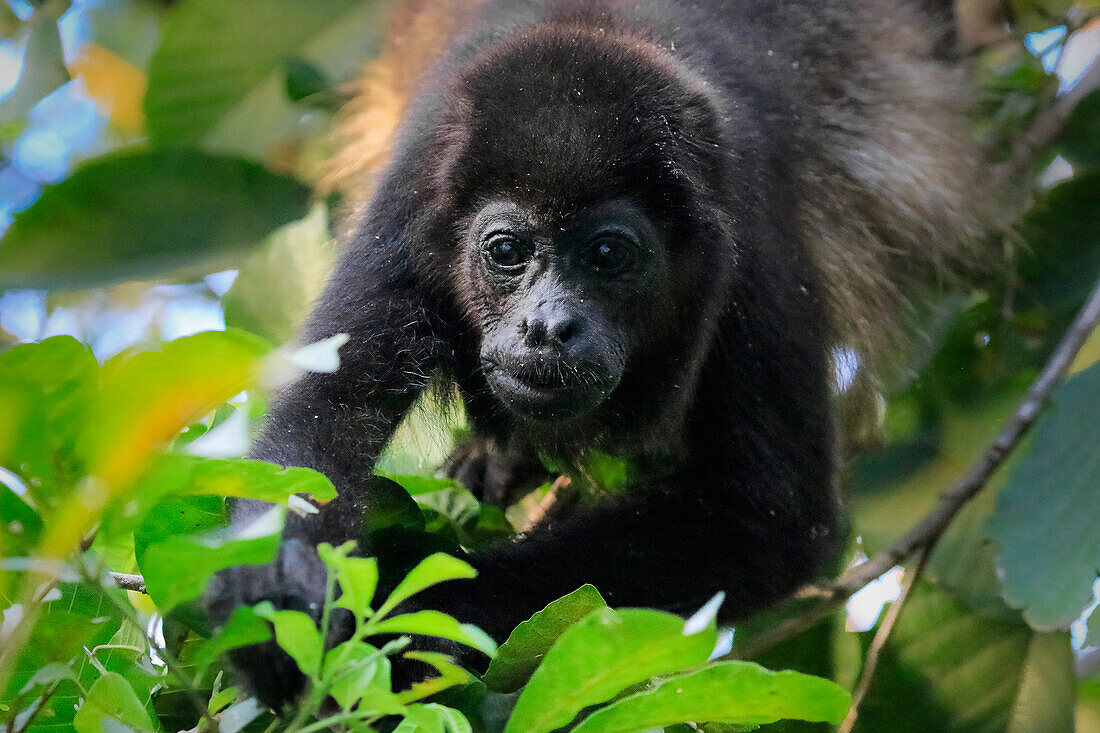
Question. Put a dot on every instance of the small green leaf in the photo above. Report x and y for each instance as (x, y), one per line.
(450, 675)
(434, 623)
(297, 634)
(433, 718)
(433, 569)
(1047, 514)
(729, 692)
(363, 677)
(242, 478)
(599, 657)
(358, 579)
(518, 657)
(220, 700)
(111, 702)
(178, 568)
(140, 214)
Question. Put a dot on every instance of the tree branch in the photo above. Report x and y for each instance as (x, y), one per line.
(927, 532)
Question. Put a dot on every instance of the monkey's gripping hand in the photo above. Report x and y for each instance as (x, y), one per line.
(295, 581)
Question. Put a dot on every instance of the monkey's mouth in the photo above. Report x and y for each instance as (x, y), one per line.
(545, 395)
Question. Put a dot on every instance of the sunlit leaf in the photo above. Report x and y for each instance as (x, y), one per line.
(433, 569)
(729, 692)
(435, 623)
(599, 657)
(111, 702)
(518, 657)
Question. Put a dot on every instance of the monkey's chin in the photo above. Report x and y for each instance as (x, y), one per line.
(543, 403)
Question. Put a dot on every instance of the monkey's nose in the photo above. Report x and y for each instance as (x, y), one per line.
(548, 332)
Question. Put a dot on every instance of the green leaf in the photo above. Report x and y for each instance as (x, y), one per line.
(363, 677)
(277, 284)
(433, 718)
(599, 657)
(297, 634)
(528, 643)
(142, 213)
(110, 702)
(949, 670)
(43, 65)
(358, 579)
(1047, 514)
(178, 568)
(433, 569)
(241, 478)
(729, 692)
(1080, 138)
(435, 623)
(218, 77)
(304, 80)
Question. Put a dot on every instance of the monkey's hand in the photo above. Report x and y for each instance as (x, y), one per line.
(295, 581)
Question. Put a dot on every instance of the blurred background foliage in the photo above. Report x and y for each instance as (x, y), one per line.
(157, 162)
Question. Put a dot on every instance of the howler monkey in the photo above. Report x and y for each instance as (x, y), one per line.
(640, 226)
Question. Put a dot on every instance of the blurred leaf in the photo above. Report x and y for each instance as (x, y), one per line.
(1047, 515)
(1080, 137)
(437, 568)
(177, 569)
(450, 675)
(278, 283)
(472, 524)
(297, 634)
(43, 65)
(128, 29)
(950, 671)
(728, 692)
(600, 656)
(528, 643)
(110, 702)
(183, 516)
(433, 719)
(435, 623)
(218, 77)
(142, 213)
(304, 80)
(48, 390)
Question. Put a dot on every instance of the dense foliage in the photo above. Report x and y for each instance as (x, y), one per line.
(116, 463)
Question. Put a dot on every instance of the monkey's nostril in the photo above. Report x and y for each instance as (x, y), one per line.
(564, 331)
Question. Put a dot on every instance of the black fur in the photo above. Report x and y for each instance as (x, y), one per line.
(702, 114)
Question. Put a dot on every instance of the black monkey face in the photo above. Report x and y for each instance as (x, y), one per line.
(558, 299)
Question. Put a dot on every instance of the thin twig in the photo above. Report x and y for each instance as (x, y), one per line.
(543, 509)
(882, 635)
(928, 531)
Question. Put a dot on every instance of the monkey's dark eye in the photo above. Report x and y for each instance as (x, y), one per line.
(610, 255)
(507, 252)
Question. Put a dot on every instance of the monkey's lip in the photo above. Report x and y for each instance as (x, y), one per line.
(545, 401)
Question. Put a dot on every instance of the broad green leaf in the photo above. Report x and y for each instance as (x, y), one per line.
(43, 65)
(192, 515)
(243, 628)
(518, 657)
(599, 657)
(1047, 515)
(433, 569)
(728, 692)
(949, 670)
(280, 280)
(143, 213)
(297, 634)
(111, 702)
(363, 675)
(48, 391)
(178, 568)
(218, 78)
(242, 478)
(435, 623)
